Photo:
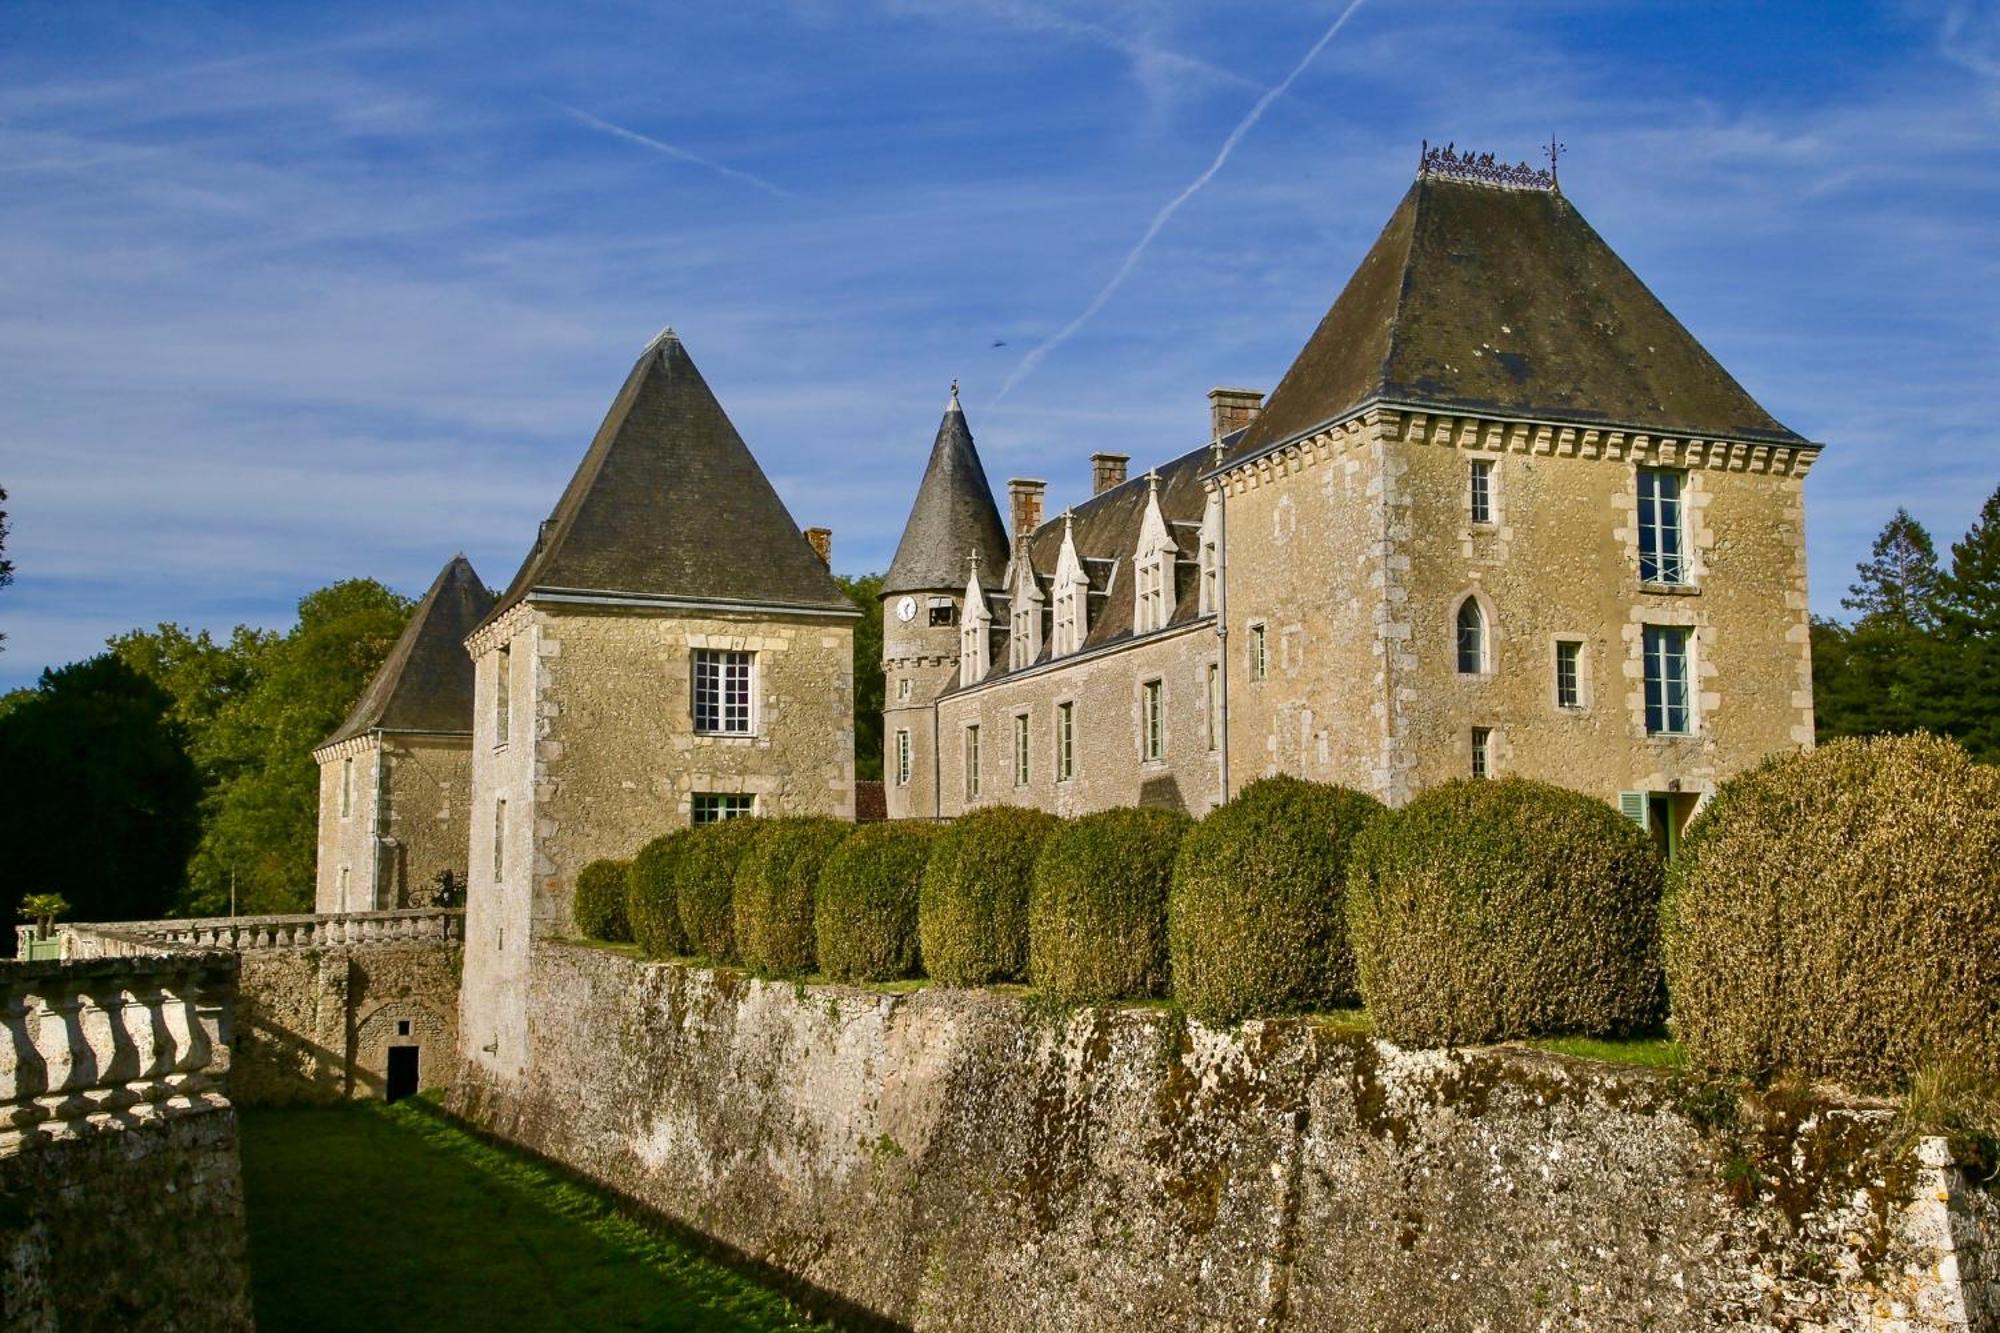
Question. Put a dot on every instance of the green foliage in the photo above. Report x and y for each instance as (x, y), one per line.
(652, 895)
(1487, 910)
(1255, 921)
(43, 909)
(705, 885)
(1097, 910)
(865, 591)
(1837, 915)
(972, 919)
(865, 915)
(98, 801)
(599, 905)
(775, 884)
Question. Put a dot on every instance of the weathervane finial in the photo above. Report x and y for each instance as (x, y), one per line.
(1552, 152)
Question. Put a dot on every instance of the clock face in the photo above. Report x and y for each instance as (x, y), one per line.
(906, 610)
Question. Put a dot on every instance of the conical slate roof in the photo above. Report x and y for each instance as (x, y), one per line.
(1483, 298)
(425, 684)
(954, 516)
(668, 503)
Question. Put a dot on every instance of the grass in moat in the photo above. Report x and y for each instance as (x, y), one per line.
(1648, 1052)
(376, 1217)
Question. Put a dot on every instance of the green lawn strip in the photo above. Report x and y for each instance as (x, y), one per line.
(1647, 1052)
(374, 1217)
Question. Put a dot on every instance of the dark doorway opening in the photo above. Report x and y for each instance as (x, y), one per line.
(1667, 816)
(402, 1072)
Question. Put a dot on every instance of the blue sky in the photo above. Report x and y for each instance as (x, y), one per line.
(290, 293)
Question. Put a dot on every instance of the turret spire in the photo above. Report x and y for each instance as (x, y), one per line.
(954, 514)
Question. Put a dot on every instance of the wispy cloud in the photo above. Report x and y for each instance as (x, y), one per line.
(666, 149)
(1036, 355)
(1154, 65)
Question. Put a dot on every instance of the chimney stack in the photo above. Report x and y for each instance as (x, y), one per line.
(821, 540)
(1230, 410)
(1106, 471)
(1024, 504)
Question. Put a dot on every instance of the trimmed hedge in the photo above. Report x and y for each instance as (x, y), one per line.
(1837, 915)
(972, 920)
(599, 905)
(1487, 910)
(1097, 910)
(1256, 922)
(774, 891)
(652, 897)
(865, 911)
(705, 885)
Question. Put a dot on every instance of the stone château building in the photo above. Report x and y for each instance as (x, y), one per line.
(1502, 515)
(395, 780)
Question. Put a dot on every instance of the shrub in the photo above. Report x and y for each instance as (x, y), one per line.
(705, 885)
(1255, 921)
(599, 906)
(1837, 915)
(774, 891)
(972, 920)
(1485, 910)
(1097, 910)
(865, 913)
(652, 901)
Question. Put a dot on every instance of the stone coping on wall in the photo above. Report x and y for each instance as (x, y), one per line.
(297, 930)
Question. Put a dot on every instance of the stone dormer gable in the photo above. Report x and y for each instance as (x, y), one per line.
(425, 684)
(1026, 607)
(1482, 299)
(975, 631)
(1153, 566)
(669, 505)
(954, 514)
(1070, 596)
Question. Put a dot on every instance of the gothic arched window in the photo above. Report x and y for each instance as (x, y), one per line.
(1472, 646)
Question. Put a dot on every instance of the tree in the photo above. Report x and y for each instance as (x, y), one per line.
(1968, 605)
(865, 590)
(1898, 584)
(1883, 673)
(6, 565)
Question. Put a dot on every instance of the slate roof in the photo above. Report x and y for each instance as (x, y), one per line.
(954, 515)
(668, 502)
(425, 684)
(1486, 299)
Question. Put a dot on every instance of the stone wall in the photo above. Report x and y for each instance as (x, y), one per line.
(953, 1160)
(405, 820)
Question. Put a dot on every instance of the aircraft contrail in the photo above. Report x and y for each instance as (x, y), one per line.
(661, 146)
(1160, 219)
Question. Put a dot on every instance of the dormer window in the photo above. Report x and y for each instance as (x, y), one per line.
(1208, 589)
(1024, 639)
(1151, 614)
(1072, 618)
(1153, 566)
(974, 642)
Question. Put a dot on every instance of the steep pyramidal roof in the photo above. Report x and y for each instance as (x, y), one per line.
(953, 517)
(425, 684)
(1488, 299)
(669, 503)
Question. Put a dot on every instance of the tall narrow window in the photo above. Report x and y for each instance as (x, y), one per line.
(1214, 705)
(1151, 592)
(1154, 722)
(1472, 646)
(343, 890)
(903, 689)
(722, 692)
(1065, 741)
(346, 787)
(1259, 657)
(1569, 678)
(1482, 748)
(1209, 577)
(499, 841)
(1482, 490)
(1668, 711)
(1661, 537)
(1020, 749)
(712, 807)
(972, 763)
(503, 693)
(902, 759)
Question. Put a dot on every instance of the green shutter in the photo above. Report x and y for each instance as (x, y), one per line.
(1632, 805)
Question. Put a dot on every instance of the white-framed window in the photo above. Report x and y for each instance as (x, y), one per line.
(1260, 654)
(1569, 673)
(1065, 741)
(1151, 571)
(712, 807)
(722, 692)
(503, 693)
(1068, 636)
(1480, 495)
(1209, 576)
(1482, 752)
(499, 841)
(347, 786)
(1474, 652)
(1020, 749)
(1669, 701)
(903, 690)
(973, 648)
(943, 611)
(972, 763)
(1662, 532)
(1153, 721)
(1214, 705)
(902, 758)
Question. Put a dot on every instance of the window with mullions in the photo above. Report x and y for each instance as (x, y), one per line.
(1020, 749)
(1154, 721)
(1569, 675)
(1065, 741)
(712, 807)
(1482, 752)
(1472, 647)
(1259, 657)
(1668, 708)
(972, 763)
(1661, 535)
(722, 692)
(902, 759)
(1482, 490)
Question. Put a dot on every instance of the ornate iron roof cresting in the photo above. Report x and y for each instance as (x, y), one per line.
(1482, 167)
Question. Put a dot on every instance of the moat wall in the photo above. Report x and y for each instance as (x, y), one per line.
(957, 1160)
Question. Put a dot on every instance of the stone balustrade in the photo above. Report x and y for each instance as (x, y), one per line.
(111, 1043)
(240, 934)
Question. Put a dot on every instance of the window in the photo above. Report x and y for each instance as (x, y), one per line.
(1020, 749)
(343, 888)
(1152, 595)
(903, 689)
(902, 759)
(503, 691)
(1069, 627)
(346, 787)
(1471, 638)
(402, 1027)
(1259, 658)
(943, 612)
(722, 692)
(499, 840)
(972, 763)
(1660, 531)
(1214, 705)
(1208, 577)
(1482, 746)
(1667, 708)
(1153, 722)
(1569, 681)
(712, 807)
(1065, 741)
(974, 646)
(1482, 490)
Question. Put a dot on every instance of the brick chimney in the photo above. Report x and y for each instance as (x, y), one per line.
(1106, 471)
(1231, 410)
(821, 540)
(1024, 504)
